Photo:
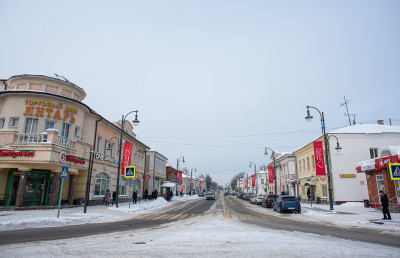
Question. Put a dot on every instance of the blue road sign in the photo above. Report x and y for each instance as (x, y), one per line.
(130, 171)
(394, 171)
(64, 172)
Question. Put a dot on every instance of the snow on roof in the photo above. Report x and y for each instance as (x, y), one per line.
(367, 128)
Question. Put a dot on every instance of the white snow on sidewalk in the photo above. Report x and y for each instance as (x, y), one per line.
(13, 220)
(206, 236)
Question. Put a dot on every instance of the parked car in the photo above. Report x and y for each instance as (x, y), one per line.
(210, 196)
(246, 197)
(234, 193)
(257, 199)
(268, 201)
(201, 194)
(287, 203)
(239, 195)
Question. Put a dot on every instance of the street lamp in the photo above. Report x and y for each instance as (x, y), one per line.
(135, 123)
(255, 179)
(177, 168)
(274, 171)
(191, 179)
(338, 148)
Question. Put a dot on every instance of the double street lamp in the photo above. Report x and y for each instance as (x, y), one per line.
(122, 129)
(274, 171)
(255, 179)
(177, 169)
(191, 179)
(338, 148)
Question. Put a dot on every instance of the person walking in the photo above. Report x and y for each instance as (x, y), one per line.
(385, 205)
(171, 194)
(308, 194)
(145, 195)
(181, 193)
(107, 197)
(114, 197)
(155, 194)
(134, 197)
(168, 196)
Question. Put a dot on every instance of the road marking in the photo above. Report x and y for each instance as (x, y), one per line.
(159, 217)
(226, 215)
(176, 216)
(183, 216)
(152, 217)
(242, 218)
(168, 217)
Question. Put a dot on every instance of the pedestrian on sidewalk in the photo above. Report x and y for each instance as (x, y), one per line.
(168, 196)
(171, 194)
(155, 194)
(107, 197)
(308, 194)
(145, 195)
(385, 205)
(114, 198)
(134, 197)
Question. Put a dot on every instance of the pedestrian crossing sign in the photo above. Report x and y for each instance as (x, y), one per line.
(130, 171)
(394, 171)
(64, 172)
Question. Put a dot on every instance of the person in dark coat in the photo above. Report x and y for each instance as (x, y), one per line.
(308, 194)
(385, 205)
(171, 194)
(114, 197)
(107, 197)
(168, 196)
(145, 195)
(134, 197)
(155, 194)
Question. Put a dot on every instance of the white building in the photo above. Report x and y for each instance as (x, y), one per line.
(358, 142)
(261, 180)
(286, 175)
(156, 164)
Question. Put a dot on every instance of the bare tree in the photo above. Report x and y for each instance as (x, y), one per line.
(235, 178)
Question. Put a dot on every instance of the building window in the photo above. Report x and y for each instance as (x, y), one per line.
(304, 165)
(49, 125)
(300, 165)
(65, 130)
(106, 143)
(99, 144)
(2, 122)
(308, 163)
(112, 150)
(31, 125)
(304, 190)
(135, 160)
(101, 184)
(380, 183)
(262, 181)
(373, 152)
(77, 131)
(313, 161)
(14, 122)
(324, 191)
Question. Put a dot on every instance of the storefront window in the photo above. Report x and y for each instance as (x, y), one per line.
(324, 191)
(101, 184)
(380, 183)
(122, 185)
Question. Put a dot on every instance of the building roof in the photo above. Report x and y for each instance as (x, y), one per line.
(366, 129)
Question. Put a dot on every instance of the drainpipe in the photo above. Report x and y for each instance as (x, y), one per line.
(90, 168)
(297, 175)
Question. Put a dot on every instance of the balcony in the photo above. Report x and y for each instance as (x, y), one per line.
(51, 136)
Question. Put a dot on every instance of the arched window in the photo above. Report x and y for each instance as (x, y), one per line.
(101, 184)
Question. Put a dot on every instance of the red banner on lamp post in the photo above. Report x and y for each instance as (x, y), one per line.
(319, 159)
(179, 176)
(245, 184)
(253, 180)
(270, 174)
(126, 156)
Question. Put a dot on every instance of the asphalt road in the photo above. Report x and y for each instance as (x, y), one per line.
(234, 206)
(228, 206)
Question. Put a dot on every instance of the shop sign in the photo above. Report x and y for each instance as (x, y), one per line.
(347, 175)
(146, 177)
(319, 158)
(382, 162)
(101, 157)
(20, 153)
(245, 183)
(75, 159)
(49, 110)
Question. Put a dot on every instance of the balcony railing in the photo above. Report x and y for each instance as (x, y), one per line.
(28, 138)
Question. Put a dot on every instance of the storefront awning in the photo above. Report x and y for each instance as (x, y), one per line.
(168, 184)
(309, 183)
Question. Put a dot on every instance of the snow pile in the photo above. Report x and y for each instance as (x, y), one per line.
(352, 204)
(142, 206)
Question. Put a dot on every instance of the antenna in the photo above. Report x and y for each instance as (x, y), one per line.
(347, 109)
(60, 76)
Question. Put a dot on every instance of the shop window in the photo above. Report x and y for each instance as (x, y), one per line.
(324, 191)
(101, 184)
(2, 122)
(31, 125)
(373, 152)
(122, 186)
(112, 150)
(380, 183)
(65, 130)
(313, 161)
(13, 122)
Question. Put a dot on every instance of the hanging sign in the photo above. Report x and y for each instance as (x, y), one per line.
(270, 174)
(245, 183)
(146, 177)
(126, 156)
(179, 176)
(253, 180)
(319, 158)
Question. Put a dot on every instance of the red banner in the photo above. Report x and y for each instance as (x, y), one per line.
(253, 180)
(270, 174)
(245, 183)
(382, 162)
(126, 156)
(179, 176)
(200, 184)
(319, 159)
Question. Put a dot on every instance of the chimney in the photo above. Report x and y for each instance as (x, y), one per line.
(380, 122)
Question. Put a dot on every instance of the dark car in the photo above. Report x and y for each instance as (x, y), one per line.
(269, 200)
(201, 194)
(234, 193)
(239, 195)
(246, 197)
(287, 203)
(210, 196)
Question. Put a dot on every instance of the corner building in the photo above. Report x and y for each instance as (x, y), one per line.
(44, 125)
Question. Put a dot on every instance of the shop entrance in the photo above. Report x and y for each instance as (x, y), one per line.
(37, 188)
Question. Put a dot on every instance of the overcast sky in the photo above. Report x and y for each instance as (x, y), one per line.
(215, 81)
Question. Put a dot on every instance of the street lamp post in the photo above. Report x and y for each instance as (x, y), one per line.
(338, 148)
(177, 168)
(255, 175)
(191, 179)
(134, 122)
(274, 171)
